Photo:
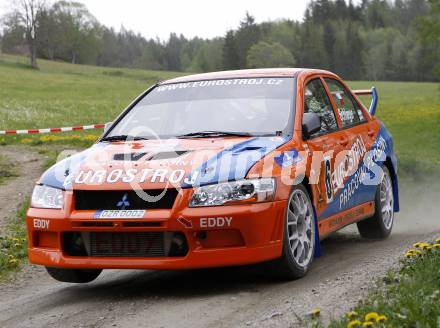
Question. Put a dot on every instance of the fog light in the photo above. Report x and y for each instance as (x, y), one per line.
(179, 246)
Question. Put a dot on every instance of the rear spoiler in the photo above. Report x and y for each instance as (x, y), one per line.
(374, 100)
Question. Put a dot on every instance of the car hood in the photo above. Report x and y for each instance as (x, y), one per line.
(158, 164)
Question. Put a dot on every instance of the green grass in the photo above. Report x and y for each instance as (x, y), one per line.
(13, 246)
(408, 298)
(61, 94)
(7, 170)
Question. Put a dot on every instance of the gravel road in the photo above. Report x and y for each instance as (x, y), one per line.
(235, 297)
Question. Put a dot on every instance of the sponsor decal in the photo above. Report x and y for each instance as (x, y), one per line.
(369, 164)
(119, 214)
(288, 158)
(347, 217)
(218, 83)
(345, 167)
(349, 163)
(134, 175)
(220, 222)
(41, 224)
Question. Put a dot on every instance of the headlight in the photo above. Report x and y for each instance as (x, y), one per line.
(236, 192)
(47, 197)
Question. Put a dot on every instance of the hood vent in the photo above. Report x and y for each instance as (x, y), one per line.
(167, 155)
(129, 157)
(156, 157)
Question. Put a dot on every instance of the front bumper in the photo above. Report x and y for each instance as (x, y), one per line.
(253, 235)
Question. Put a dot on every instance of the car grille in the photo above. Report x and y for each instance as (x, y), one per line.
(109, 199)
(138, 244)
(125, 244)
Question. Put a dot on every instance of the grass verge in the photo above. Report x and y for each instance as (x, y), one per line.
(13, 246)
(407, 297)
(7, 170)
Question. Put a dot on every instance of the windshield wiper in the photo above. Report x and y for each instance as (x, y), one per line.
(202, 134)
(123, 138)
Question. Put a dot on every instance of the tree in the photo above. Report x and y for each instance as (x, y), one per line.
(263, 54)
(75, 30)
(173, 51)
(28, 12)
(208, 57)
(13, 31)
(229, 53)
(429, 29)
(246, 36)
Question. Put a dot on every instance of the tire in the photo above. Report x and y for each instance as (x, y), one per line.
(379, 226)
(299, 237)
(73, 275)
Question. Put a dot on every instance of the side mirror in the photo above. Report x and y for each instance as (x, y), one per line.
(107, 127)
(311, 124)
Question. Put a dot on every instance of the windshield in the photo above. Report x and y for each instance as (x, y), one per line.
(254, 106)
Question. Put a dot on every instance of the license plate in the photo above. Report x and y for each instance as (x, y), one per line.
(119, 214)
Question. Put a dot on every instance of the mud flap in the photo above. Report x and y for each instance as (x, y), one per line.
(317, 239)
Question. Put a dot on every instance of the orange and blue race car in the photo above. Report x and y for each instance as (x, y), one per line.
(219, 169)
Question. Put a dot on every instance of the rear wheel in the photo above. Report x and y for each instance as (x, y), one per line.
(379, 226)
(299, 236)
(73, 275)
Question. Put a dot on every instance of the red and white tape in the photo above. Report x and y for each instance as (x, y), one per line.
(53, 130)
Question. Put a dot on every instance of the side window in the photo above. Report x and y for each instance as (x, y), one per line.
(316, 101)
(349, 110)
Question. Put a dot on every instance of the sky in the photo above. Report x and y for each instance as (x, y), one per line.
(203, 18)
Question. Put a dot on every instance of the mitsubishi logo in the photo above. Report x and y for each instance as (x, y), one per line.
(123, 203)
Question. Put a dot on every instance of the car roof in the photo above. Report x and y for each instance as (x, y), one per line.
(245, 73)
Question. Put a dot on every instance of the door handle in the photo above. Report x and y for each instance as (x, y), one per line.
(371, 133)
(343, 141)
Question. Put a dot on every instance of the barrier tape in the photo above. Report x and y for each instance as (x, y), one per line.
(54, 130)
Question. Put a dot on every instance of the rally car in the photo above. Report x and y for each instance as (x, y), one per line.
(219, 169)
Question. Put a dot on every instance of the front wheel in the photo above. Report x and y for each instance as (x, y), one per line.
(379, 226)
(299, 236)
(73, 275)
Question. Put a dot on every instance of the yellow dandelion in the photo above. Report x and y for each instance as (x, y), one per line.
(316, 312)
(437, 240)
(408, 255)
(367, 324)
(424, 246)
(354, 323)
(436, 246)
(381, 319)
(372, 316)
(417, 245)
(351, 315)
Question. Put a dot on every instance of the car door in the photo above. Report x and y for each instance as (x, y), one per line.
(360, 139)
(324, 145)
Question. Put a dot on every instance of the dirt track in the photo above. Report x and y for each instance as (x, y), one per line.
(236, 297)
